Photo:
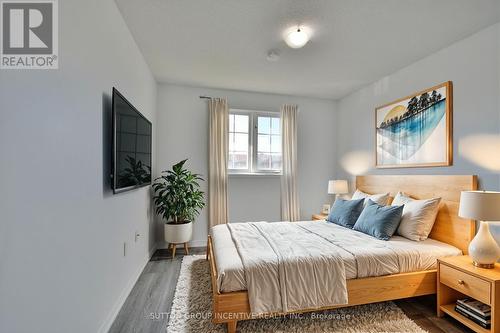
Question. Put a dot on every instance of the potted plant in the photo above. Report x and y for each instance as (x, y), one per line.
(178, 200)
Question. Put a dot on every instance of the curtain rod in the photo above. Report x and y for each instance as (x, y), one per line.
(209, 97)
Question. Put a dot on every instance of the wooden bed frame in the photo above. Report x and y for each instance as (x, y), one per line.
(449, 228)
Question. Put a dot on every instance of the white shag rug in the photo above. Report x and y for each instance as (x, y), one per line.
(192, 306)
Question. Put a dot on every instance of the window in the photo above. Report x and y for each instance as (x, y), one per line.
(268, 143)
(239, 136)
(254, 142)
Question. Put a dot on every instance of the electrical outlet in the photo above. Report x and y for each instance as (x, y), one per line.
(136, 236)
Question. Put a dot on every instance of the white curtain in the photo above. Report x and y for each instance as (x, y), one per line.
(290, 210)
(217, 161)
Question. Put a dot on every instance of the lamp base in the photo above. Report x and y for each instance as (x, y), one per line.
(483, 249)
(478, 265)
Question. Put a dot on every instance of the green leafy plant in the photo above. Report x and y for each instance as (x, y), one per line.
(177, 194)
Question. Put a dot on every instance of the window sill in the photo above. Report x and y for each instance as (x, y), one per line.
(254, 174)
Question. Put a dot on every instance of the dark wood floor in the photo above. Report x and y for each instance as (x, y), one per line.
(422, 310)
(148, 305)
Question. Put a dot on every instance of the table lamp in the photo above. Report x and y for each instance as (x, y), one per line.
(337, 187)
(482, 206)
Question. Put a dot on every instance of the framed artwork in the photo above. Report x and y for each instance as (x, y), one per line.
(415, 131)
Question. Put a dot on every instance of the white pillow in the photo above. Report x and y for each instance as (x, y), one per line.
(418, 216)
(381, 198)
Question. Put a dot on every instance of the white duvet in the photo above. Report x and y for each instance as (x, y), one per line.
(292, 266)
(288, 267)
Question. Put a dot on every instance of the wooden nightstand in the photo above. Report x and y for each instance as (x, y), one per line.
(457, 278)
(320, 216)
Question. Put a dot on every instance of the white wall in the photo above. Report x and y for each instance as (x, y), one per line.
(472, 64)
(61, 229)
(474, 67)
(183, 133)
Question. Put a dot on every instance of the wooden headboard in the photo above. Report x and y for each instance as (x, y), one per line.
(448, 228)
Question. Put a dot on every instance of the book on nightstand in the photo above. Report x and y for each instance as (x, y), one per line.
(476, 311)
(475, 306)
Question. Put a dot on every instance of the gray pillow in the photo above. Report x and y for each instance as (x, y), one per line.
(379, 221)
(345, 212)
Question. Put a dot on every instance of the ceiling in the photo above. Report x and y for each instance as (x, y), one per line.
(224, 43)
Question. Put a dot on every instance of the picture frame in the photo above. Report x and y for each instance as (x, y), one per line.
(416, 130)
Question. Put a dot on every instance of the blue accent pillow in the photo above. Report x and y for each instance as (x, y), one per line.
(379, 221)
(345, 212)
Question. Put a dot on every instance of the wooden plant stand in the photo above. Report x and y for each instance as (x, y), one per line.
(173, 246)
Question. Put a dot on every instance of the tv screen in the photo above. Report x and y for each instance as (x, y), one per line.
(132, 140)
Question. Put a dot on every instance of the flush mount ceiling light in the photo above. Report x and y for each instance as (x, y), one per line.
(297, 37)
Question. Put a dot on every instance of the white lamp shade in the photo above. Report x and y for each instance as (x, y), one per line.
(480, 205)
(337, 187)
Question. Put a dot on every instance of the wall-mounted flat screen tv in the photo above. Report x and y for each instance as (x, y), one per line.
(132, 141)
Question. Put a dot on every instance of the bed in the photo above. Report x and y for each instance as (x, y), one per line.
(399, 268)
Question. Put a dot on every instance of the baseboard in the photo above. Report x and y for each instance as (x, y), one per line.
(106, 325)
(193, 243)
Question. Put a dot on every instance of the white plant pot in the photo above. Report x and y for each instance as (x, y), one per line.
(178, 233)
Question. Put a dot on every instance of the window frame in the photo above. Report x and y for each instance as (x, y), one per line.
(253, 143)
